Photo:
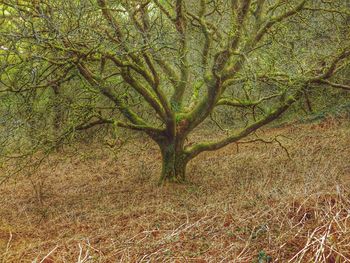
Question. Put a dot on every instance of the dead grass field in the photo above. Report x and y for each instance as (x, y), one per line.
(249, 203)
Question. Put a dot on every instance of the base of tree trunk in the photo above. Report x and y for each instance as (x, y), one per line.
(173, 165)
(174, 174)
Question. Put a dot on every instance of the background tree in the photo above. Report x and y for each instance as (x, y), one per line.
(166, 67)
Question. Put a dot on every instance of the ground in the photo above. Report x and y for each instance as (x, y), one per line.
(245, 203)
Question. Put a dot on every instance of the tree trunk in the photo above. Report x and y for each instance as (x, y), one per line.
(57, 111)
(173, 162)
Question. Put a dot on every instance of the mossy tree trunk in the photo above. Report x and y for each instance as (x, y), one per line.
(173, 164)
(174, 159)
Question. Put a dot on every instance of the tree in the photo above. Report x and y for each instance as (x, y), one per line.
(183, 60)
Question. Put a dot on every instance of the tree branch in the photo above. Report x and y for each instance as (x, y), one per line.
(212, 146)
(336, 85)
(244, 104)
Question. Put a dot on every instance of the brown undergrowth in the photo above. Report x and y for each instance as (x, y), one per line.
(244, 203)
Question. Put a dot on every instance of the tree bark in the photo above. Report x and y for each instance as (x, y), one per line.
(57, 111)
(174, 161)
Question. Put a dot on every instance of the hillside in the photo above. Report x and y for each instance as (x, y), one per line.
(245, 203)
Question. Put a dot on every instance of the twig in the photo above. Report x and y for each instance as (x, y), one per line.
(53, 250)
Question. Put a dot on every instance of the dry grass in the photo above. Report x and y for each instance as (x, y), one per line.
(242, 204)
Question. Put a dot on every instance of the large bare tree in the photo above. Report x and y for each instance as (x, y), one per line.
(167, 66)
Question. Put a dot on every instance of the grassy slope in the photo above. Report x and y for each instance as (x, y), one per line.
(241, 202)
